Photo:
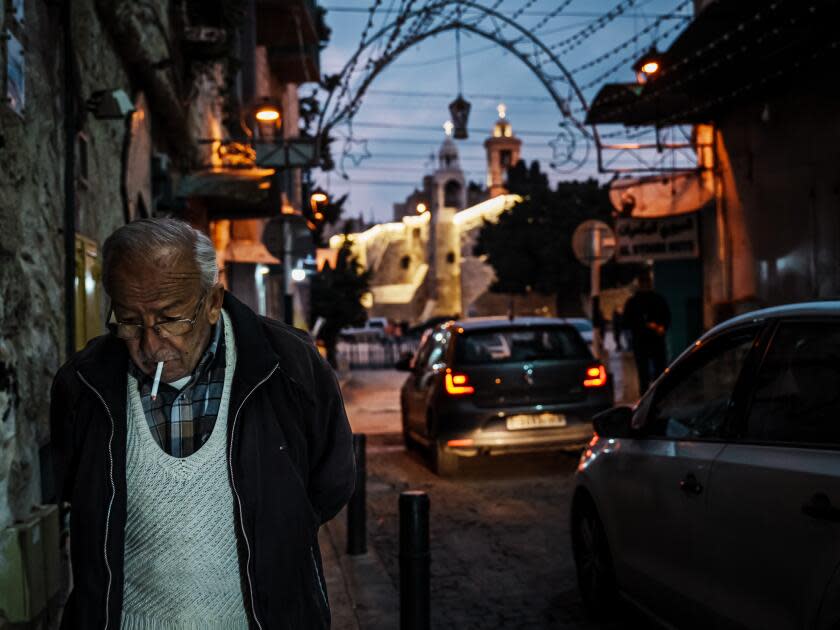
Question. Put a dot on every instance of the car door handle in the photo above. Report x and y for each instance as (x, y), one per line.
(690, 485)
(819, 506)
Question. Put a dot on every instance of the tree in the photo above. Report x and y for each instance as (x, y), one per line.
(336, 295)
(530, 247)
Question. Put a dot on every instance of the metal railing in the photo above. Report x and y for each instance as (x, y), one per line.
(374, 354)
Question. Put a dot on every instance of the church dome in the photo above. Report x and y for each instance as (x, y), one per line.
(448, 154)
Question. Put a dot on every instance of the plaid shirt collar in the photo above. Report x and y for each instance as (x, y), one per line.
(181, 420)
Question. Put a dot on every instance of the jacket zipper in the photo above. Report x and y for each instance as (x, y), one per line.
(110, 502)
(239, 500)
(318, 577)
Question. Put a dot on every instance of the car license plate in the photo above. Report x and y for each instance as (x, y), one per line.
(535, 421)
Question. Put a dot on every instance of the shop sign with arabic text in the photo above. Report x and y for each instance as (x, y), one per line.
(667, 238)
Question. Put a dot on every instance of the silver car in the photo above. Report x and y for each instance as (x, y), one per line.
(715, 501)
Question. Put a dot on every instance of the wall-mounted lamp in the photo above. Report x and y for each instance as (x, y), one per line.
(267, 119)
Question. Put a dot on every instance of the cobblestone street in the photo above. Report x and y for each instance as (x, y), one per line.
(501, 554)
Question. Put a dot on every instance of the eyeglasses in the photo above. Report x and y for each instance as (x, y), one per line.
(172, 328)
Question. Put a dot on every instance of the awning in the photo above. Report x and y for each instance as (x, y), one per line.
(232, 193)
(733, 49)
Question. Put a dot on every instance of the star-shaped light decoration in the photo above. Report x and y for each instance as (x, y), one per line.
(356, 151)
(562, 147)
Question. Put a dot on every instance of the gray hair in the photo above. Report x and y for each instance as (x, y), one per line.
(138, 238)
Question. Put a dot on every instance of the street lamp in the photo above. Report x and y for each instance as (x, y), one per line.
(317, 199)
(648, 66)
(268, 118)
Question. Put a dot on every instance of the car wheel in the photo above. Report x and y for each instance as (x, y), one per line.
(444, 463)
(593, 561)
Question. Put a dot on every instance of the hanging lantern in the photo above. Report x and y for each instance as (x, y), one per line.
(459, 109)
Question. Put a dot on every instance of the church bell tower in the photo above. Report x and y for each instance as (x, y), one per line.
(503, 149)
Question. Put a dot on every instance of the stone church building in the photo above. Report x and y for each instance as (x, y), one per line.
(422, 264)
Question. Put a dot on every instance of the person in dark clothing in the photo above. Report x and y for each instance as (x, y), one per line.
(647, 317)
(200, 447)
(617, 329)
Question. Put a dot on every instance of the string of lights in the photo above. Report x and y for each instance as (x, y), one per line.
(432, 128)
(567, 45)
(523, 8)
(553, 14)
(533, 13)
(507, 97)
(627, 61)
(629, 42)
(709, 63)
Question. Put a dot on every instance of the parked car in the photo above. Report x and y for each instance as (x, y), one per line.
(715, 501)
(494, 385)
(373, 329)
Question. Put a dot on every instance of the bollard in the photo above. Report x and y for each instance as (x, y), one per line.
(357, 508)
(414, 561)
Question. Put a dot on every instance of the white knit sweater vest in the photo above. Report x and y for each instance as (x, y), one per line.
(181, 566)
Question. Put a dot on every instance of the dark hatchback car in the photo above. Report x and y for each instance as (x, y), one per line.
(494, 385)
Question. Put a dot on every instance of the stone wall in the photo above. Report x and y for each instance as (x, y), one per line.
(32, 157)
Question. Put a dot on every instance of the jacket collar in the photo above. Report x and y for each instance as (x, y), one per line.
(251, 343)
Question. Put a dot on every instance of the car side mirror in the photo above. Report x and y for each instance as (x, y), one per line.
(614, 423)
(403, 364)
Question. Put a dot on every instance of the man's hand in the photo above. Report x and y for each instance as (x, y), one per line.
(659, 329)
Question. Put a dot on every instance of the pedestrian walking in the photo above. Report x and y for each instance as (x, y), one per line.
(647, 317)
(200, 447)
(617, 329)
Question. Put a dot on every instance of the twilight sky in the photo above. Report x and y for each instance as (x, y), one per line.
(403, 113)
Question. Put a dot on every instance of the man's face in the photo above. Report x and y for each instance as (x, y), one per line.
(162, 287)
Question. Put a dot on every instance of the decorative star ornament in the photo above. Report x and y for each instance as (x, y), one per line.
(356, 151)
(560, 148)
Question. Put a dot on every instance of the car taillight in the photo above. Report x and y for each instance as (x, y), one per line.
(596, 376)
(458, 384)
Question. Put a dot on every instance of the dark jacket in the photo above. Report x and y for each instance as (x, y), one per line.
(290, 459)
(646, 307)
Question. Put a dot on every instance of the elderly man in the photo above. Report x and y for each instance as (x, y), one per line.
(195, 502)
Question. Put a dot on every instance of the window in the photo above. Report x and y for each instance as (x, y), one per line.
(694, 400)
(432, 349)
(520, 344)
(452, 194)
(797, 394)
(437, 353)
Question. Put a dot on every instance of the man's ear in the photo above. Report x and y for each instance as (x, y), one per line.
(215, 298)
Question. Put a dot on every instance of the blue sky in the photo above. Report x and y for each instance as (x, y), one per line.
(401, 118)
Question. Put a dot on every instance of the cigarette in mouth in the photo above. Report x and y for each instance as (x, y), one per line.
(156, 384)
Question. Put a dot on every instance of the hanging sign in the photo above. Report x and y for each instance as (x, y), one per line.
(668, 238)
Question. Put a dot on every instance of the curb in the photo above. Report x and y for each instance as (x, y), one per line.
(367, 594)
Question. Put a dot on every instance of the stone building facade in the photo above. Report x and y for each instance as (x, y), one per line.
(107, 109)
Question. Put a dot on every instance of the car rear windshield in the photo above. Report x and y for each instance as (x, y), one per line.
(507, 345)
(582, 326)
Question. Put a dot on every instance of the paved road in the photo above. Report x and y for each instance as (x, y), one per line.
(501, 555)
